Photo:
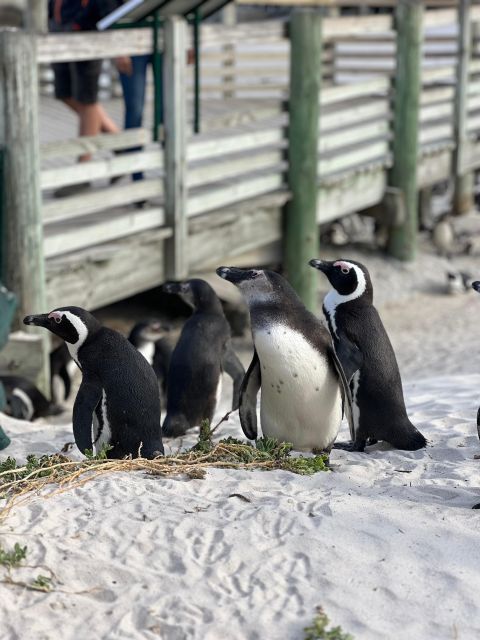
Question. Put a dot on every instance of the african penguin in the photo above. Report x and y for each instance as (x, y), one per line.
(118, 401)
(294, 363)
(148, 337)
(62, 370)
(25, 401)
(367, 357)
(204, 350)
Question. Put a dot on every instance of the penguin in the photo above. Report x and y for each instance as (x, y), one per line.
(458, 282)
(294, 364)
(476, 287)
(62, 369)
(25, 401)
(118, 401)
(148, 337)
(368, 360)
(203, 351)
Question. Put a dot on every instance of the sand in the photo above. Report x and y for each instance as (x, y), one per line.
(386, 543)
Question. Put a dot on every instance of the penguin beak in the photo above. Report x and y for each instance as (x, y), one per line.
(476, 286)
(321, 265)
(40, 320)
(233, 274)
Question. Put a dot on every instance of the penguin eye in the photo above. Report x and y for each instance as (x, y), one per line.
(345, 270)
(58, 319)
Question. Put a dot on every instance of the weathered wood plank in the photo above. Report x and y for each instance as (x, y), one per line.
(232, 191)
(91, 45)
(101, 169)
(175, 104)
(353, 113)
(93, 144)
(85, 233)
(352, 158)
(214, 146)
(354, 135)
(236, 166)
(21, 233)
(92, 200)
(436, 95)
(432, 134)
(106, 273)
(434, 168)
(436, 112)
(331, 95)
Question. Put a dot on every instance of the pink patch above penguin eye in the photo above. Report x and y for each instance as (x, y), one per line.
(56, 315)
(345, 268)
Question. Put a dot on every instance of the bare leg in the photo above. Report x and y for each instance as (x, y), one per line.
(107, 124)
(90, 124)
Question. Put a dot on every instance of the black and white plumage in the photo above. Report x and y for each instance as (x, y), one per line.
(25, 401)
(148, 337)
(118, 401)
(62, 369)
(294, 363)
(458, 282)
(203, 351)
(367, 357)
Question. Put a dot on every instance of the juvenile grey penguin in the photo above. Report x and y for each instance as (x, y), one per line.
(118, 401)
(367, 357)
(203, 351)
(294, 363)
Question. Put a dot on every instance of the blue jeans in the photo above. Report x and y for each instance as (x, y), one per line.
(133, 88)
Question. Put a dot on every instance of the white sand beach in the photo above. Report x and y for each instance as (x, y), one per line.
(386, 543)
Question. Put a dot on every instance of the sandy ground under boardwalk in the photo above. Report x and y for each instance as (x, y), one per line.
(387, 542)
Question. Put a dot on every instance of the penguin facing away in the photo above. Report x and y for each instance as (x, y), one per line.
(368, 360)
(25, 401)
(118, 401)
(148, 337)
(203, 351)
(294, 364)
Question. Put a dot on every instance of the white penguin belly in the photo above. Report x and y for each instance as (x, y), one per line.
(301, 401)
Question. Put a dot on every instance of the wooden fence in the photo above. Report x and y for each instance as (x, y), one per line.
(220, 196)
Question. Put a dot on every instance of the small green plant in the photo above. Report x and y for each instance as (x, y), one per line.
(318, 629)
(101, 455)
(41, 583)
(12, 558)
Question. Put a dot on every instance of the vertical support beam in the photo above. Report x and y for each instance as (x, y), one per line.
(157, 79)
(196, 71)
(175, 47)
(36, 16)
(229, 19)
(22, 233)
(402, 242)
(301, 230)
(464, 182)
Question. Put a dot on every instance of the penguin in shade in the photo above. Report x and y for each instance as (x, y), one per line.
(294, 363)
(368, 360)
(25, 401)
(203, 351)
(149, 338)
(118, 402)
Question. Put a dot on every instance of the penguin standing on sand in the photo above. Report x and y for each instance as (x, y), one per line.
(294, 363)
(148, 337)
(367, 357)
(118, 401)
(204, 350)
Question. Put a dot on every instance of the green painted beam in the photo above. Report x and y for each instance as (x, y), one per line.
(402, 242)
(301, 231)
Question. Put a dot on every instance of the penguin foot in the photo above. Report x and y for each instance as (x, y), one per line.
(174, 427)
(359, 447)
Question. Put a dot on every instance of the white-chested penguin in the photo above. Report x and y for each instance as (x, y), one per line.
(203, 351)
(25, 401)
(118, 402)
(367, 357)
(294, 363)
(148, 336)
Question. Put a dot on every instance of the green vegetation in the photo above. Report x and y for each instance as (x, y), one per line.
(318, 629)
(12, 558)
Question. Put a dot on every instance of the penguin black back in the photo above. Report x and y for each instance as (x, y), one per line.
(148, 336)
(367, 357)
(119, 390)
(202, 353)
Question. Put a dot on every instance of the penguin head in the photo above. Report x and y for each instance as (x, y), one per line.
(258, 285)
(72, 324)
(347, 277)
(148, 331)
(196, 291)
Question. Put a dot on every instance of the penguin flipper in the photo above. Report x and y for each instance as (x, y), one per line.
(344, 389)
(87, 399)
(248, 398)
(349, 356)
(232, 365)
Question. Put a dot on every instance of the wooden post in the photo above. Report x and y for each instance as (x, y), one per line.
(402, 240)
(22, 233)
(301, 230)
(175, 123)
(464, 182)
(36, 16)
(229, 19)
